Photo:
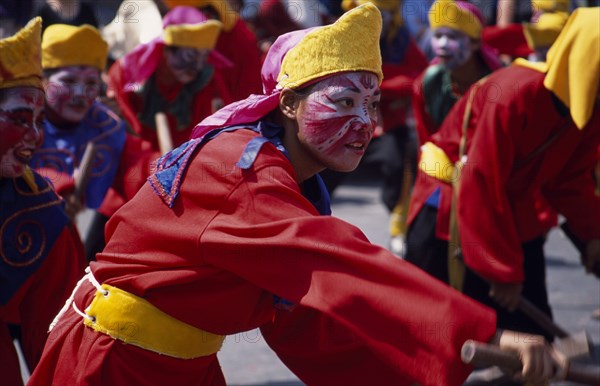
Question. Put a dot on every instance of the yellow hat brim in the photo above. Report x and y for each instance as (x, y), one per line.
(201, 35)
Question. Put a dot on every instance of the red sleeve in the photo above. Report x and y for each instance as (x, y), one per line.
(116, 86)
(572, 192)
(308, 339)
(48, 289)
(490, 242)
(269, 235)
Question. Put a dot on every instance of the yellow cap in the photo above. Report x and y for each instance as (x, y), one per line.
(227, 15)
(66, 45)
(544, 32)
(550, 5)
(20, 57)
(388, 5)
(349, 44)
(573, 64)
(202, 35)
(446, 13)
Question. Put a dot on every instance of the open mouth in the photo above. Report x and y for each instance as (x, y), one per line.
(24, 155)
(358, 146)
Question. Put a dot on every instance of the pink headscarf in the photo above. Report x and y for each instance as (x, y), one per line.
(255, 106)
(141, 63)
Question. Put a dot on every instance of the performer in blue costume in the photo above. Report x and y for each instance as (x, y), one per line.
(73, 58)
(41, 254)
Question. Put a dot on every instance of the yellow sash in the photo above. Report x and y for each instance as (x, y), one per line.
(136, 321)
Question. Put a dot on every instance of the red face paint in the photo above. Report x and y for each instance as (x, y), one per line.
(336, 121)
(21, 119)
(72, 90)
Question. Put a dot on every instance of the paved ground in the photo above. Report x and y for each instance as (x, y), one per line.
(247, 360)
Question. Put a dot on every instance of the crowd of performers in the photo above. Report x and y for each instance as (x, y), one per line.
(207, 146)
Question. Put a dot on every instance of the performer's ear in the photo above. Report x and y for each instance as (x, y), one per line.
(288, 103)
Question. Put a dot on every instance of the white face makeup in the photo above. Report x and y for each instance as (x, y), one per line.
(337, 119)
(21, 122)
(71, 91)
(453, 48)
(185, 63)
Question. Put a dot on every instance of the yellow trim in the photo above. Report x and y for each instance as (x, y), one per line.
(30, 180)
(435, 163)
(136, 321)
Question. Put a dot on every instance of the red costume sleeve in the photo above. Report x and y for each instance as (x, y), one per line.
(329, 266)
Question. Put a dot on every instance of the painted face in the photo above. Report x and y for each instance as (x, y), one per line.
(451, 47)
(185, 63)
(71, 91)
(21, 122)
(336, 120)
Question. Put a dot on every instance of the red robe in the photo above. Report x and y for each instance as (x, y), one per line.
(240, 46)
(500, 198)
(137, 154)
(231, 241)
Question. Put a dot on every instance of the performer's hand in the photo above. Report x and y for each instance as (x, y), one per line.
(506, 294)
(592, 257)
(536, 356)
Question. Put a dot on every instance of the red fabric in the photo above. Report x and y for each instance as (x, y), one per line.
(240, 47)
(138, 153)
(37, 302)
(508, 40)
(131, 104)
(134, 168)
(500, 200)
(233, 239)
(423, 123)
(396, 88)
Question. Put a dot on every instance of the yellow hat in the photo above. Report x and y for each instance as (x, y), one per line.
(227, 15)
(388, 5)
(66, 45)
(349, 44)
(202, 35)
(20, 57)
(551, 5)
(448, 13)
(545, 30)
(573, 64)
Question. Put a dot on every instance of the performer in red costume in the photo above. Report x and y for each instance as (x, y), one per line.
(178, 74)
(531, 133)
(236, 42)
(240, 238)
(461, 59)
(41, 254)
